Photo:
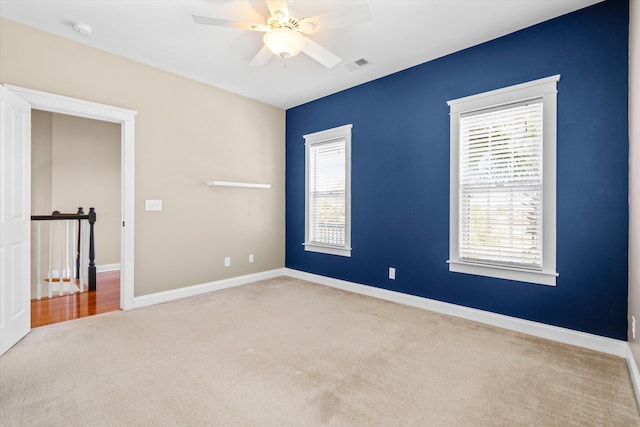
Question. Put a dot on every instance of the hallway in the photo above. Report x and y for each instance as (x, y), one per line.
(105, 298)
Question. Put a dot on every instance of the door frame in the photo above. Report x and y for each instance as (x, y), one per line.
(126, 118)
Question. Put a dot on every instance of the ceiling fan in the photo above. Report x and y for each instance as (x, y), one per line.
(284, 31)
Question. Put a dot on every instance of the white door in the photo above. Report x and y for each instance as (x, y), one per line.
(15, 221)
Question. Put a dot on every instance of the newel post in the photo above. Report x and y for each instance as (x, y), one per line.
(92, 251)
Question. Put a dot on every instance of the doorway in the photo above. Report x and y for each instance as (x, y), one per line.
(75, 162)
(76, 107)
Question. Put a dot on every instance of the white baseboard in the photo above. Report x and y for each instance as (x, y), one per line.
(107, 267)
(633, 372)
(174, 294)
(99, 269)
(55, 274)
(555, 333)
(55, 288)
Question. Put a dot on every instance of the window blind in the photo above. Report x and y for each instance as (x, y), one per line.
(327, 184)
(500, 185)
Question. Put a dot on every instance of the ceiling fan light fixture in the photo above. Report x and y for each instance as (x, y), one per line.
(284, 42)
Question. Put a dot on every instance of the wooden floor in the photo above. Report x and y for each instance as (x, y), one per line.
(105, 298)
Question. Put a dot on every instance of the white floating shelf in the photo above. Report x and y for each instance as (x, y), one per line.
(237, 184)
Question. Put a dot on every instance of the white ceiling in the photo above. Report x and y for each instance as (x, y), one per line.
(401, 34)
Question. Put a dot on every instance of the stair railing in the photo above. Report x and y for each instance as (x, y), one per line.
(75, 256)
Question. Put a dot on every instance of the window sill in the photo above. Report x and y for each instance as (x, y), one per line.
(521, 275)
(331, 250)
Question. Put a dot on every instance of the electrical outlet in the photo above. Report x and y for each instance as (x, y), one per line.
(251, 258)
(633, 327)
(392, 273)
(227, 261)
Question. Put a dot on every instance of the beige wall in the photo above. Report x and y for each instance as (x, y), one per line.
(634, 173)
(186, 133)
(86, 172)
(41, 156)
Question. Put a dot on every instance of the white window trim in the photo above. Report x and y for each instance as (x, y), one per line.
(546, 89)
(340, 132)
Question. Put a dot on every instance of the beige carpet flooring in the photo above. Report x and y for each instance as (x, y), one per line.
(285, 352)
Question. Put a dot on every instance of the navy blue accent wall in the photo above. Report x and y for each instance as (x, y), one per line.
(400, 172)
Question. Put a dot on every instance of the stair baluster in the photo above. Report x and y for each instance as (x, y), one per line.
(38, 262)
(50, 271)
(60, 255)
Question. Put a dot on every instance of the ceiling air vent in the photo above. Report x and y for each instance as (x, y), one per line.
(354, 65)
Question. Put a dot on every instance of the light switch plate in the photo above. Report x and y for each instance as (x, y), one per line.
(153, 205)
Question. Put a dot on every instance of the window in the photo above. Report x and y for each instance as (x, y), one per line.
(503, 183)
(328, 191)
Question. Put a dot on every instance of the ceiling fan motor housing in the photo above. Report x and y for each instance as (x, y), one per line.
(286, 22)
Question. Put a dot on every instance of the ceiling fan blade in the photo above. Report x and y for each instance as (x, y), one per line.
(207, 20)
(262, 57)
(319, 53)
(343, 17)
(277, 7)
